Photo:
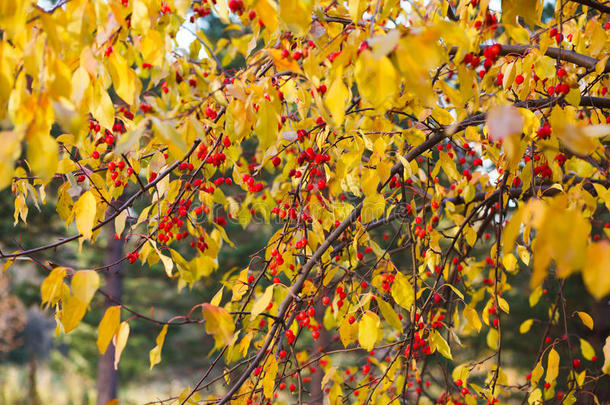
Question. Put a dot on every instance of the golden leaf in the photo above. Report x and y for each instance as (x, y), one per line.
(84, 285)
(552, 367)
(84, 215)
(218, 323)
(120, 342)
(108, 327)
(155, 352)
(368, 330)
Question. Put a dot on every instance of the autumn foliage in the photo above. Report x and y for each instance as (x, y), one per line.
(413, 160)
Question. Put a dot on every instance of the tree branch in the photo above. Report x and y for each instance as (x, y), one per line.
(594, 4)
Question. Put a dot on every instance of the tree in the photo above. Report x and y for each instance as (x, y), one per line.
(412, 169)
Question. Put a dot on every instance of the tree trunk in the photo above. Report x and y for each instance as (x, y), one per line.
(317, 391)
(107, 376)
(33, 390)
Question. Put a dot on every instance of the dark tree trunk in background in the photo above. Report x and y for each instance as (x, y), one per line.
(317, 391)
(107, 376)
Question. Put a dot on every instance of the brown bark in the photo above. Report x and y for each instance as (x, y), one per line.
(107, 376)
(317, 391)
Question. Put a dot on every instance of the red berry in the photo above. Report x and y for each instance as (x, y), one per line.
(576, 363)
(519, 79)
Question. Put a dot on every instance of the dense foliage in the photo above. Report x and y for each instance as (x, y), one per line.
(407, 165)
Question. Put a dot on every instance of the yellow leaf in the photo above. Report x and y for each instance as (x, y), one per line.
(295, 15)
(373, 207)
(120, 342)
(43, 155)
(524, 254)
(50, 289)
(535, 397)
(153, 48)
(155, 352)
(356, 7)
(472, 317)
(125, 81)
(606, 366)
(119, 222)
(10, 150)
(267, 11)
(525, 326)
(140, 19)
(218, 323)
(84, 214)
(266, 125)
(261, 303)
(511, 231)
(573, 97)
(72, 312)
(530, 10)
(270, 369)
(586, 319)
(217, 297)
(552, 367)
(21, 209)
(461, 372)
(510, 262)
(587, 350)
(537, 373)
(442, 116)
(377, 80)
(84, 285)
(347, 331)
(503, 305)
(337, 97)
(80, 84)
(595, 272)
(368, 330)
(455, 290)
(389, 314)
(402, 291)
(535, 296)
(108, 327)
(492, 339)
(283, 63)
(100, 106)
(329, 373)
(441, 344)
